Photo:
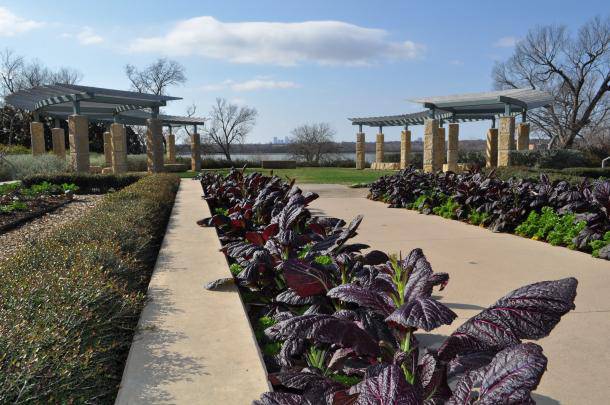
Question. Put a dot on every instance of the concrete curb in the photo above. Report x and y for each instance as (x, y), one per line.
(192, 345)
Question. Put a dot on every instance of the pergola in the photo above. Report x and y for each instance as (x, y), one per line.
(116, 108)
(504, 105)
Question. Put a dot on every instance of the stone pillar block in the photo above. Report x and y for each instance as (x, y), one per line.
(439, 155)
(379, 148)
(108, 148)
(360, 151)
(491, 150)
(506, 140)
(195, 152)
(430, 140)
(154, 145)
(59, 142)
(37, 135)
(118, 148)
(452, 147)
(171, 148)
(523, 136)
(78, 128)
(405, 149)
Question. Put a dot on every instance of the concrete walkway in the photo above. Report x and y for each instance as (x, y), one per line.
(193, 346)
(483, 267)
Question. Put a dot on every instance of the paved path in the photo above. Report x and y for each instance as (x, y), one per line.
(193, 346)
(483, 267)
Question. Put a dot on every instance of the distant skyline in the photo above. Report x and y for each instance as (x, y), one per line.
(296, 62)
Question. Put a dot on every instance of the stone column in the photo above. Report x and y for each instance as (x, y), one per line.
(452, 147)
(360, 151)
(37, 136)
(430, 147)
(171, 148)
(439, 155)
(523, 136)
(195, 152)
(405, 148)
(379, 148)
(506, 140)
(154, 145)
(59, 142)
(78, 128)
(108, 148)
(491, 150)
(118, 148)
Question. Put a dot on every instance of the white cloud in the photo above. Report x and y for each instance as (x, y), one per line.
(322, 42)
(456, 62)
(506, 42)
(88, 37)
(11, 25)
(237, 100)
(251, 85)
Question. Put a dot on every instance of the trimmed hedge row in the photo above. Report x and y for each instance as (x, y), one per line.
(87, 183)
(70, 303)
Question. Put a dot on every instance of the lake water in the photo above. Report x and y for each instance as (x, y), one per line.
(369, 157)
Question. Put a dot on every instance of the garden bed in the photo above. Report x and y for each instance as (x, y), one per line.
(71, 300)
(575, 215)
(19, 204)
(43, 225)
(337, 325)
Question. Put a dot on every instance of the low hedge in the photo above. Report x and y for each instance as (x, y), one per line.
(87, 183)
(71, 302)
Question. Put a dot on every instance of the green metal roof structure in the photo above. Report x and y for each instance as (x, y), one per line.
(465, 107)
(98, 104)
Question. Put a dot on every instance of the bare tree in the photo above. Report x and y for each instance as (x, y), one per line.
(10, 69)
(15, 75)
(156, 77)
(66, 75)
(229, 124)
(312, 142)
(575, 70)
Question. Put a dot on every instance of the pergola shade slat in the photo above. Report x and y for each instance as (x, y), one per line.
(465, 107)
(99, 104)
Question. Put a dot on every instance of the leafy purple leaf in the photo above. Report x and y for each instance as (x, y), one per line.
(512, 375)
(326, 329)
(388, 387)
(305, 279)
(363, 297)
(421, 313)
(529, 312)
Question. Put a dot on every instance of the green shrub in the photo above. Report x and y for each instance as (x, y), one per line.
(71, 301)
(86, 183)
(476, 158)
(447, 209)
(558, 230)
(14, 150)
(549, 159)
(478, 218)
(12, 207)
(596, 245)
(17, 167)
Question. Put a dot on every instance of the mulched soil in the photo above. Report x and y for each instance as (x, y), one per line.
(42, 226)
(34, 206)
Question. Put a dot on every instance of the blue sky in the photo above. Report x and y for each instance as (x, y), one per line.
(295, 61)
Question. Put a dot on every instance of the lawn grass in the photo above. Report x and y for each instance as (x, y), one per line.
(320, 175)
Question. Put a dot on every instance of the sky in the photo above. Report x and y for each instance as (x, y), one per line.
(296, 62)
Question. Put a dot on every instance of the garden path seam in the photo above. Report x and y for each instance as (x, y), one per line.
(484, 266)
(193, 346)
